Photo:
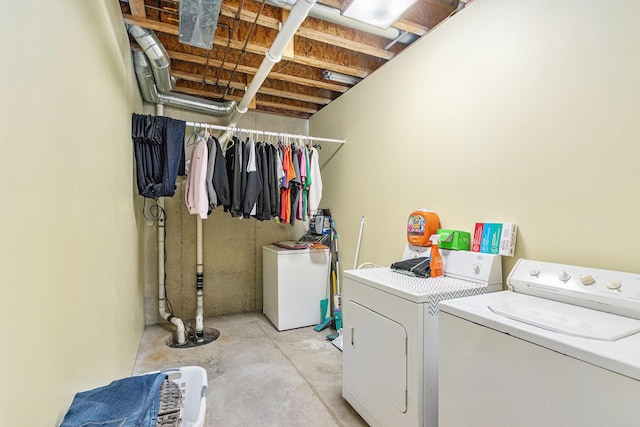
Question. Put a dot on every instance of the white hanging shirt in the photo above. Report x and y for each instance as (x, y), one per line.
(315, 190)
(195, 193)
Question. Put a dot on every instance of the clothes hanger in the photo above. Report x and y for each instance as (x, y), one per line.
(194, 134)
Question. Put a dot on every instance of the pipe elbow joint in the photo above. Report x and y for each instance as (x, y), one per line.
(273, 58)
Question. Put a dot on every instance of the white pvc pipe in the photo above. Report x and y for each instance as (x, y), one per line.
(199, 278)
(298, 14)
(180, 335)
(162, 295)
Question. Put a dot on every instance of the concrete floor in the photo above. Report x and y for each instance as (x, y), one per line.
(257, 375)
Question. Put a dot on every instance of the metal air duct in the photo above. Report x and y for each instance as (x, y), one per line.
(192, 103)
(157, 55)
(144, 74)
(149, 92)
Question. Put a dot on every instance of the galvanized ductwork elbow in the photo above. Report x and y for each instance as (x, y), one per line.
(157, 55)
(149, 92)
(192, 103)
(144, 74)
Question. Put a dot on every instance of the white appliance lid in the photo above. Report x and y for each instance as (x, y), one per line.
(619, 356)
(567, 319)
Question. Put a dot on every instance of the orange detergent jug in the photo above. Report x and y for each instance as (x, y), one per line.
(422, 224)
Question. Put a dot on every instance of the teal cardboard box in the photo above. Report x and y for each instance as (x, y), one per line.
(454, 239)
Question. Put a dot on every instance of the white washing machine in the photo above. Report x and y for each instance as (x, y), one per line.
(390, 335)
(560, 347)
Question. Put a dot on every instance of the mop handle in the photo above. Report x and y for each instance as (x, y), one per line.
(335, 236)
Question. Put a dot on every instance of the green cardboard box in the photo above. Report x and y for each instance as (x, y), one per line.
(454, 239)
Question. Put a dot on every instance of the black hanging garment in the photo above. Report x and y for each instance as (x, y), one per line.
(274, 183)
(217, 179)
(263, 205)
(159, 151)
(252, 179)
(296, 185)
(233, 157)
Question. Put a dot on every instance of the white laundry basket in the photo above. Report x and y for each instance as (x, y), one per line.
(193, 385)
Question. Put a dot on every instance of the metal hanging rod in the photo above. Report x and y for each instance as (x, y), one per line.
(263, 132)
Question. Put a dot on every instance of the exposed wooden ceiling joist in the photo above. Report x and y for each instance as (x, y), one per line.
(296, 86)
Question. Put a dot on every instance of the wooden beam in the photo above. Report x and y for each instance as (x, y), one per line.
(287, 107)
(203, 93)
(411, 27)
(329, 53)
(137, 8)
(308, 82)
(191, 77)
(151, 24)
(259, 102)
(252, 103)
(288, 52)
(310, 33)
(308, 30)
(229, 9)
(196, 59)
(331, 3)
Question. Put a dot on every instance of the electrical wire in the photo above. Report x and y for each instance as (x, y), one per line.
(243, 51)
(368, 265)
(229, 37)
(158, 214)
(155, 211)
(230, 32)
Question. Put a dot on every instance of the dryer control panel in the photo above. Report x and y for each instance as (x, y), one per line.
(605, 290)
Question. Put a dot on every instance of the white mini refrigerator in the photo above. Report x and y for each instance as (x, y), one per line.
(293, 284)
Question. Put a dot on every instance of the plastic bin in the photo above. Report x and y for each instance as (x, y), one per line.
(193, 385)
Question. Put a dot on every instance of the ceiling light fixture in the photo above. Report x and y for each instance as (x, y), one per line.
(381, 13)
(340, 78)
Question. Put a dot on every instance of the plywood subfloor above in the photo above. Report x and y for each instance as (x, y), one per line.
(245, 31)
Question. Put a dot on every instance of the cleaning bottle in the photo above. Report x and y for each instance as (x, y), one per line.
(436, 265)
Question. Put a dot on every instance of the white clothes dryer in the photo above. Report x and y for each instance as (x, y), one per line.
(390, 335)
(560, 347)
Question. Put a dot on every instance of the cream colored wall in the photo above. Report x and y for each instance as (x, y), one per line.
(512, 111)
(72, 303)
(232, 247)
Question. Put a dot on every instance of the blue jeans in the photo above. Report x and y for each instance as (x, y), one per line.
(128, 402)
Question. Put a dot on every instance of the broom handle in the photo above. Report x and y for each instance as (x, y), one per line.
(355, 260)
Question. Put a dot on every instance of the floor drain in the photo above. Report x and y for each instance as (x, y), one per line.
(209, 335)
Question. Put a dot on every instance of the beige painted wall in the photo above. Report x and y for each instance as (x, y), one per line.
(232, 248)
(512, 111)
(72, 302)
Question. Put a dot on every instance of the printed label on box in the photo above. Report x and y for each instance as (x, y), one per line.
(495, 238)
(477, 237)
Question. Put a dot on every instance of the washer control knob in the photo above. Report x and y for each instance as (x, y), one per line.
(564, 276)
(533, 271)
(613, 284)
(476, 268)
(587, 280)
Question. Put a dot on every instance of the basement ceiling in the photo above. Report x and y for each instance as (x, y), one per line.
(245, 31)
